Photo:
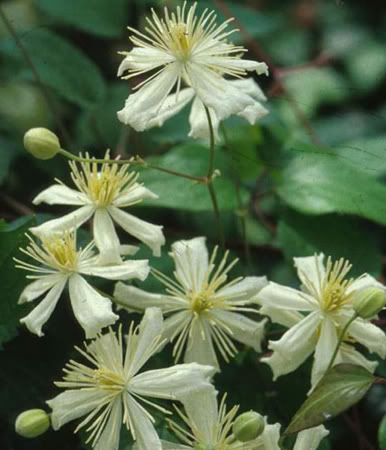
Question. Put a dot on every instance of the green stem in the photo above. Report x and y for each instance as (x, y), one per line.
(211, 189)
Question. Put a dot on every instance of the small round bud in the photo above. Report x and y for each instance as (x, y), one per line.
(248, 426)
(41, 143)
(32, 423)
(369, 302)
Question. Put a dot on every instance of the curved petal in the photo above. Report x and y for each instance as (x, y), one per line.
(59, 194)
(311, 438)
(250, 87)
(294, 347)
(198, 120)
(311, 272)
(149, 234)
(200, 346)
(283, 317)
(166, 445)
(144, 59)
(68, 222)
(363, 282)
(41, 313)
(175, 323)
(347, 354)
(244, 292)
(253, 113)
(241, 328)
(92, 310)
(369, 335)
(109, 438)
(38, 287)
(106, 238)
(133, 195)
(191, 261)
(270, 437)
(134, 299)
(123, 271)
(278, 296)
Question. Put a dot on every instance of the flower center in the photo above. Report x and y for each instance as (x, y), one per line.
(201, 303)
(181, 43)
(108, 380)
(61, 250)
(335, 285)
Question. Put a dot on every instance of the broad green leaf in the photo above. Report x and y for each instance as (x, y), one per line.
(382, 434)
(319, 182)
(12, 280)
(20, 13)
(8, 151)
(342, 387)
(180, 193)
(61, 66)
(107, 19)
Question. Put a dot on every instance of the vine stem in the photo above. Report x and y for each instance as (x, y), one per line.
(210, 177)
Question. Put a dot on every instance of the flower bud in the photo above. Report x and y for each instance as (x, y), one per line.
(248, 426)
(41, 143)
(369, 302)
(32, 423)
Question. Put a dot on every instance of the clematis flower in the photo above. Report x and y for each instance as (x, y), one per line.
(183, 47)
(316, 314)
(110, 390)
(61, 264)
(203, 309)
(103, 191)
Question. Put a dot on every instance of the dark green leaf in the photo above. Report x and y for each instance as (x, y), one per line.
(382, 434)
(343, 386)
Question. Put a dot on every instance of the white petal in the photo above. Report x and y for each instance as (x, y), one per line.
(347, 354)
(369, 335)
(172, 446)
(198, 120)
(143, 106)
(92, 310)
(105, 237)
(253, 113)
(191, 260)
(41, 313)
(244, 64)
(311, 271)
(250, 87)
(277, 315)
(150, 329)
(284, 297)
(133, 195)
(149, 234)
(270, 437)
(324, 350)
(311, 438)
(109, 439)
(242, 328)
(200, 346)
(294, 347)
(363, 282)
(123, 271)
(58, 194)
(68, 222)
(144, 59)
(175, 382)
(244, 292)
(174, 324)
(134, 299)
(38, 287)
(74, 403)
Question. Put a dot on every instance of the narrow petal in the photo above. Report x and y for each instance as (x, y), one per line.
(133, 195)
(149, 234)
(166, 445)
(311, 438)
(198, 120)
(283, 317)
(270, 437)
(105, 237)
(200, 346)
(109, 439)
(244, 292)
(38, 287)
(41, 313)
(363, 282)
(68, 222)
(284, 297)
(369, 335)
(347, 354)
(294, 347)
(145, 59)
(91, 309)
(250, 87)
(174, 324)
(58, 194)
(311, 271)
(191, 260)
(123, 271)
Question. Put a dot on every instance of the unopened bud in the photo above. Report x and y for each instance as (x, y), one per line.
(41, 143)
(369, 302)
(248, 426)
(32, 423)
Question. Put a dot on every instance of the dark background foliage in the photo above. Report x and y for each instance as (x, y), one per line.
(309, 177)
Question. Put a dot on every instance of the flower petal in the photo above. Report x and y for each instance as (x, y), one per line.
(105, 237)
(59, 194)
(149, 234)
(284, 297)
(41, 313)
(369, 335)
(244, 292)
(92, 310)
(175, 323)
(68, 222)
(191, 260)
(145, 59)
(311, 438)
(133, 195)
(283, 317)
(172, 446)
(348, 355)
(200, 346)
(250, 87)
(294, 347)
(363, 282)
(198, 120)
(269, 438)
(311, 271)
(123, 271)
(38, 287)
(109, 439)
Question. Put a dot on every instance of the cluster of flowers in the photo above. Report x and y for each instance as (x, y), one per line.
(204, 312)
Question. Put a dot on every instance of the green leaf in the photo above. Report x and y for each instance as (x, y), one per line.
(180, 193)
(342, 387)
(319, 182)
(8, 151)
(107, 19)
(382, 434)
(12, 280)
(61, 66)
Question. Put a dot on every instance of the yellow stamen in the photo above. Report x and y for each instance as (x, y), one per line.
(109, 380)
(62, 250)
(334, 286)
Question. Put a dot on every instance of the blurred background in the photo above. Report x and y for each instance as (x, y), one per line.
(308, 177)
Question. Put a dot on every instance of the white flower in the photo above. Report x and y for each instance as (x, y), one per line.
(110, 390)
(102, 193)
(203, 309)
(316, 315)
(184, 48)
(61, 263)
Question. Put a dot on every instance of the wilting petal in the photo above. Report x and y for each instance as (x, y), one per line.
(284, 297)
(311, 438)
(38, 287)
(369, 335)
(311, 271)
(123, 271)
(191, 260)
(294, 347)
(92, 310)
(283, 317)
(198, 120)
(134, 195)
(105, 237)
(109, 439)
(41, 313)
(244, 292)
(200, 346)
(149, 234)
(58, 194)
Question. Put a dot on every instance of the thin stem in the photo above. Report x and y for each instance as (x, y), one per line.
(39, 82)
(210, 177)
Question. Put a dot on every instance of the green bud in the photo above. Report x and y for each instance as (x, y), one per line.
(369, 302)
(32, 423)
(41, 143)
(248, 426)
